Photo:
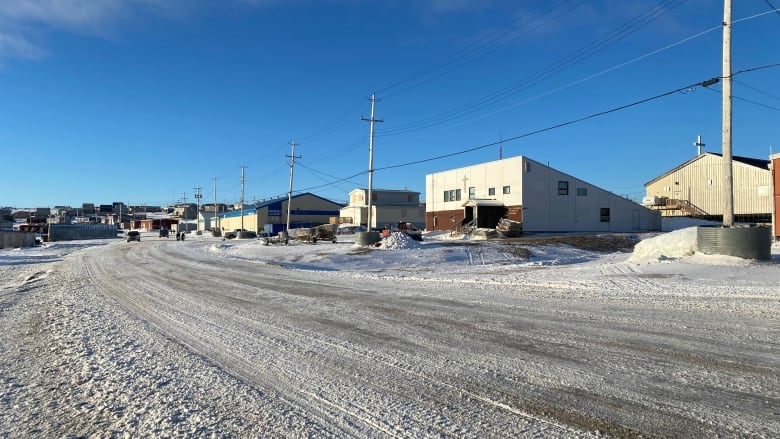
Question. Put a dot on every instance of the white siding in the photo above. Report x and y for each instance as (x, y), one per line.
(547, 210)
(534, 186)
(482, 177)
(701, 182)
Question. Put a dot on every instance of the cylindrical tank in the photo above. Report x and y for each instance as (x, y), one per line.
(743, 242)
(367, 238)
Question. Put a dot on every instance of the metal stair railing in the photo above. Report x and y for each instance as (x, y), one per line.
(686, 206)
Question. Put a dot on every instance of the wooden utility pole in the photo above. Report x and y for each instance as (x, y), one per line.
(198, 196)
(371, 122)
(289, 192)
(215, 221)
(728, 197)
(243, 168)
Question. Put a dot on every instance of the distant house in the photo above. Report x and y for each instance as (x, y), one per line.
(542, 198)
(186, 211)
(696, 188)
(306, 210)
(6, 221)
(387, 207)
(87, 209)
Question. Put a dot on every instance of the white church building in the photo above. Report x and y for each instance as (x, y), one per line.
(542, 198)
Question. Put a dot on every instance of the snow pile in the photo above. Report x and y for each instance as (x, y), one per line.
(677, 244)
(398, 241)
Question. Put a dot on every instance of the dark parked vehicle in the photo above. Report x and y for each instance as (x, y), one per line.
(242, 233)
(164, 233)
(133, 235)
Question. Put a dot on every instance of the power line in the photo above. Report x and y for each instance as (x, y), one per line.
(748, 86)
(746, 100)
(704, 84)
(482, 43)
(550, 128)
(539, 76)
(772, 6)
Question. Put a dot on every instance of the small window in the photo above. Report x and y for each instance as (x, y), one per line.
(563, 188)
(435, 221)
(452, 218)
(491, 191)
(446, 196)
(506, 189)
(582, 192)
(605, 214)
(457, 194)
(472, 193)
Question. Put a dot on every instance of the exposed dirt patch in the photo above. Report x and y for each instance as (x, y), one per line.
(597, 243)
(518, 251)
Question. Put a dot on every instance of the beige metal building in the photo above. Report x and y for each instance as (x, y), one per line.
(542, 198)
(270, 216)
(696, 188)
(387, 207)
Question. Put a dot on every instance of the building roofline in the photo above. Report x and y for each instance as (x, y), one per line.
(756, 163)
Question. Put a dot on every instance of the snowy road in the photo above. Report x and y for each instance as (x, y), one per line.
(161, 338)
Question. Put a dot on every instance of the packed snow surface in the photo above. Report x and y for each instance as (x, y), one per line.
(448, 337)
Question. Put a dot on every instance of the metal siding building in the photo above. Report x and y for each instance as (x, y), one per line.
(306, 209)
(700, 183)
(389, 206)
(543, 198)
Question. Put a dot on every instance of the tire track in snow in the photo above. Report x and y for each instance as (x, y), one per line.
(370, 357)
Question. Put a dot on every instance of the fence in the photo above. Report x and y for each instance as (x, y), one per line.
(74, 232)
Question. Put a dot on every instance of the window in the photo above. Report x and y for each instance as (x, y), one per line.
(472, 193)
(605, 214)
(446, 196)
(563, 188)
(491, 191)
(435, 221)
(506, 189)
(582, 192)
(457, 194)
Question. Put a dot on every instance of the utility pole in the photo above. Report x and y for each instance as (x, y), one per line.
(198, 196)
(184, 211)
(371, 122)
(242, 197)
(216, 222)
(289, 193)
(728, 202)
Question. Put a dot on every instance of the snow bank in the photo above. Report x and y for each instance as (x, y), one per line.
(677, 244)
(398, 241)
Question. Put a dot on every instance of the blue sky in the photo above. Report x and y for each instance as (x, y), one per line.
(142, 101)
